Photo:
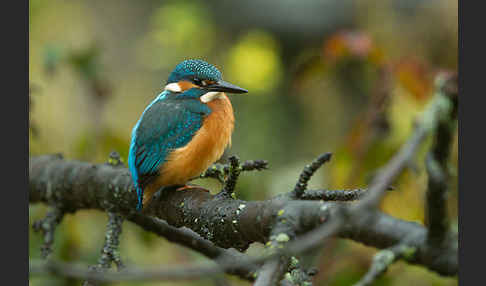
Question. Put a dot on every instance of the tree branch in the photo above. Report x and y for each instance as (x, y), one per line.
(234, 172)
(334, 195)
(307, 174)
(109, 252)
(273, 269)
(220, 171)
(436, 163)
(382, 260)
(47, 226)
(226, 222)
(192, 240)
(128, 274)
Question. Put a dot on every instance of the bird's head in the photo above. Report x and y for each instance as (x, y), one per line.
(197, 77)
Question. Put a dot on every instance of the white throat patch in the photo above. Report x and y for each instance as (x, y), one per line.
(207, 97)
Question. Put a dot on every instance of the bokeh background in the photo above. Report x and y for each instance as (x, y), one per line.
(340, 76)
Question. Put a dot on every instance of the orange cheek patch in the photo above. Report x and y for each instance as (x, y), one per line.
(185, 85)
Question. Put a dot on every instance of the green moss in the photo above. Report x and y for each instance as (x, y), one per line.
(282, 237)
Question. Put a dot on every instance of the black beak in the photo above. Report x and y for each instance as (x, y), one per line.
(224, 86)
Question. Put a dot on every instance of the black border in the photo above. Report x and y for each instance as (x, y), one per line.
(15, 140)
(471, 223)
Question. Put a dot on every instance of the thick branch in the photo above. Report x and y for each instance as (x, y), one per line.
(226, 222)
(386, 231)
(190, 239)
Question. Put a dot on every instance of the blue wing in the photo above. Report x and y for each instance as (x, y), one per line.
(167, 123)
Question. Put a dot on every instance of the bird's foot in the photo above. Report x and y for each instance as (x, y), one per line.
(190, 186)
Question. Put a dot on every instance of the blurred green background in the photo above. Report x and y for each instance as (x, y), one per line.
(340, 76)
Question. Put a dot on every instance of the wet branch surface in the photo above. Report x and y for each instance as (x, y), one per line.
(297, 220)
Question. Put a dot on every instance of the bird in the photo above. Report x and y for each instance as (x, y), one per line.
(184, 130)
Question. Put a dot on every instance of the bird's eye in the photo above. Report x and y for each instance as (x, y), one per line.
(197, 81)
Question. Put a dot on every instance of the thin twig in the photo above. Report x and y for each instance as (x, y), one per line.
(258, 165)
(296, 275)
(221, 171)
(216, 171)
(47, 226)
(271, 273)
(382, 260)
(234, 173)
(109, 252)
(128, 274)
(307, 173)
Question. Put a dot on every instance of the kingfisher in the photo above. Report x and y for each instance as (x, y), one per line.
(184, 130)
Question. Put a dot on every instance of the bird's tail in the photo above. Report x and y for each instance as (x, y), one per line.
(139, 197)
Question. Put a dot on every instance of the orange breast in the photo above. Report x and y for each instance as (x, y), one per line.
(206, 147)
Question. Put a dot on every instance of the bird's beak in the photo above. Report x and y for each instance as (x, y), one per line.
(224, 86)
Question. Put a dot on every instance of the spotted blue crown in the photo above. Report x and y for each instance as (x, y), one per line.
(194, 68)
